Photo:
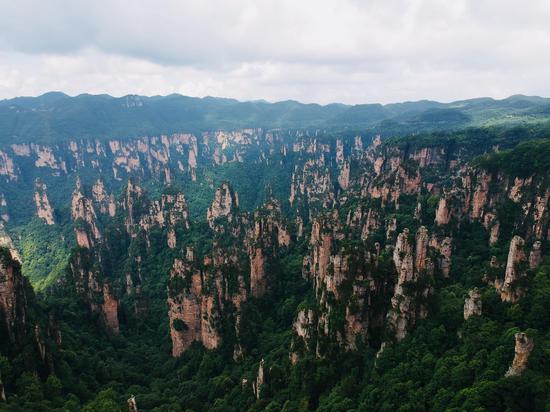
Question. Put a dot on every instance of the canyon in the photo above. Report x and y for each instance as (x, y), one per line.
(201, 235)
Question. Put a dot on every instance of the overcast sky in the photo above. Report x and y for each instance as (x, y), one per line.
(350, 51)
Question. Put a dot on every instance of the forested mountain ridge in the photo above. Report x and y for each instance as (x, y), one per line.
(279, 269)
(55, 117)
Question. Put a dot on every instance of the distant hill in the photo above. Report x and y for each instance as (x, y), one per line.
(56, 116)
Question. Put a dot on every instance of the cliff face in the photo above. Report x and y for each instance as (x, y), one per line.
(199, 294)
(268, 235)
(169, 212)
(480, 195)
(472, 304)
(386, 178)
(523, 348)
(83, 213)
(43, 208)
(224, 206)
(92, 211)
(205, 288)
(25, 332)
(414, 272)
(347, 275)
(186, 309)
(377, 224)
(87, 277)
(104, 201)
(343, 275)
(14, 290)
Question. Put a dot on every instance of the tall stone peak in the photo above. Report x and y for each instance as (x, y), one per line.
(14, 290)
(535, 256)
(84, 274)
(268, 235)
(472, 304)
(523, 347)
(105, 201)
(191, 313)
(411, 264)
(509, 291)
(22, 324)
(225, 205)
(132, 205)
(44, 210)
(167, 212)
(84, 215)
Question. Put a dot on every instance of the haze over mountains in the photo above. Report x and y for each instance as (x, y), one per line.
(56, 116)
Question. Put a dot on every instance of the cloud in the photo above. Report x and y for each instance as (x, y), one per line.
(349, 50)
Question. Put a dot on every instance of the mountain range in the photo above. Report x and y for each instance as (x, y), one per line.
(55, 116)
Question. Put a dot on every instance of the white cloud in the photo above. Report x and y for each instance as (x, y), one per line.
(349, 50)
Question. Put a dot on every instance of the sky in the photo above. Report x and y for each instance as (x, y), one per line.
(322, 51)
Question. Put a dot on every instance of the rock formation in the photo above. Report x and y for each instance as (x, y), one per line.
(535, 257)
(408, 301)
(225, 204)
(90, 283)
(43, 208)
(85, 218)
(103, 201)
(260, 379)
(509, 290)
(198, 296)
(169, 212)
(132, 405)
(343, 279)
(14, 290)
(132, 206)
(472, 304)
(524, 347)
(267, 237)
(442, 215)
(2, 392)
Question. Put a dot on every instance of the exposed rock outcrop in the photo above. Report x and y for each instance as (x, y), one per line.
(224, 205)
(85, 275)
(85, 218)
(14, 290)
(472, 304)
(409, 299)
(343, 279)
(264, 241)
(168, 212)
(43, 208)
(185, 308)
(442, 215)
(133, 207)
(523, 348)
(200, 294)
(2, 392)
(7, 167)
(132, 405)
(302, 328)
(105, 202)
(109, 309)
(509, 290)
(260, 379)
(535, 256)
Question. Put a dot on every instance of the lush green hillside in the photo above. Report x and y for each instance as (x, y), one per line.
(56, 117)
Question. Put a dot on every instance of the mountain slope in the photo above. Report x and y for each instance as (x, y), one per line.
(55, 117)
